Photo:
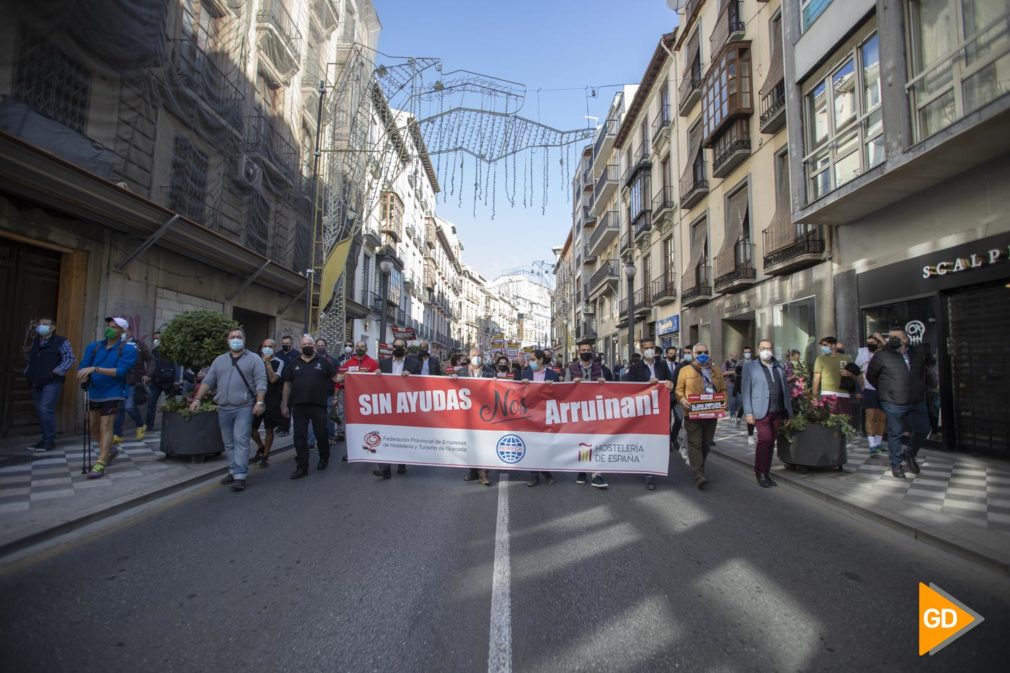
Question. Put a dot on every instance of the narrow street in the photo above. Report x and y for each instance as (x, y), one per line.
(343, 572)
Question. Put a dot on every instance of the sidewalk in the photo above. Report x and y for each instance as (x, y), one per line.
(44, 495)
(959, 502)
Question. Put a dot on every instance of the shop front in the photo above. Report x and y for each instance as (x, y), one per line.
(668, 332)
(954, 304)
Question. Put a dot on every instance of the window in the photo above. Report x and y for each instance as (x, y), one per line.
(51, 82)
(727, 90)
(639, 197)
(187, 190)
(810, 10)
(844, 121)
(960, 59)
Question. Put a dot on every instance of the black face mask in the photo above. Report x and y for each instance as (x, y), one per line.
(308, 351)
(871, 347)
(894, 343)
(424, 352)
(398, 352)
(285, 347)
(503, 368)
(321, 350)
(360, 352)
(585, 357)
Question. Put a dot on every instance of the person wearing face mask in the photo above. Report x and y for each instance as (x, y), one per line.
(346, 353)
(607, 374)
(286, 354)
(873, 414)
(400, 364)
(828, 375)
(104, 368)
(678, 410)
(502, 369)
(338, 392)
(49, 359)
(898, 372)
(476, 369)
(358, 363)
(331, 426)
(650, 369)
(308, 384)
(164, 377)
(271, 415)
(239, 379)
(585, 369)
(536, 370)
(136, 392)
(767, 404)
(699, 378)
(735, 402)
(430, 365)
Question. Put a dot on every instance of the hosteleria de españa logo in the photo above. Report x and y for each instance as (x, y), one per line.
(511, 449)
(942, 619)
(585, 452)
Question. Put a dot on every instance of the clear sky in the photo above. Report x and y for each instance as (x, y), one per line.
(543, 44)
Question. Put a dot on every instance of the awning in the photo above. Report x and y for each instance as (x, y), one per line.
(775, 70)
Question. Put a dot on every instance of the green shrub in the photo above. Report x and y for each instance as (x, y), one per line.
(195, 338)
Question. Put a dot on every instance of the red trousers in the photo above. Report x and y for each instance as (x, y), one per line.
(767, 432)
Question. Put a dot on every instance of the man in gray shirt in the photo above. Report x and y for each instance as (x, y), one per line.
(239, 379)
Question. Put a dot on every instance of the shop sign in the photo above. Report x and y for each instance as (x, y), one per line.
(405, 333)
(973, 261)
(669, 325)
(740, 306)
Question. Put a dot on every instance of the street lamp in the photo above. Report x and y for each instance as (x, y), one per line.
(629, 273)
(386, 267)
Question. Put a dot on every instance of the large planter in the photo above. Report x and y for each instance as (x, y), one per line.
(199, 435)
(814, 446)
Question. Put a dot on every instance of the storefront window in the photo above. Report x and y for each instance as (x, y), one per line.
(916, 316)
(795, 328)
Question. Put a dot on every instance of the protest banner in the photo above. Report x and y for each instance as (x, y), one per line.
(507, 425)
(707, 406)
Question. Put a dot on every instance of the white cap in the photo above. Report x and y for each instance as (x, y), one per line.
(121, 322)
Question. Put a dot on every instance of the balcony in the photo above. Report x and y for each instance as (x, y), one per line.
(430, 274)
(605, 186)
(195, 71)
(697, 286)
(642, 224)
(789, 248)
(731, 148)
(734, 268)
(604, 276)
(588, 218)
(693, 185)
(325, 16)
(662, 207)
(689, 91)
(608, 228)
(622, 313)
(391, 216)
(626, 242)
(773, 109)
(588, 327)
(587, 179)
(728, 27)
(315, 72)
(605, 138)
(588, 258)
(265, 141)
(430, 232)
(661, 127)
(277, 40)
(642, 304)
(664, 289)
(642, 161)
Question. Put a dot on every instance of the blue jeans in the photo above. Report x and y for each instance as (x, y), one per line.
(236, 428)
(45, 398)
(127, 407)
(732, 400)
(918, 419)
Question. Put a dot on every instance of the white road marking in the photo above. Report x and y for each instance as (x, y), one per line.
(499, 657)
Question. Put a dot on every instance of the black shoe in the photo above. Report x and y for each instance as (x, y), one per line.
(323, 462)
(38, 445)
(897, 472)
(471, 476)
(911, 464)
(763, 481)
(650, 483)
(300, 472)
(401, 469)
(239, 485)
(701, 483)
(550, 478)
(257, 457)
(340, 437)
(229, 479)
(385, 474)
(533, 481)
(283, 433)
(771, 481)
(581, 478)
(264, 462)
(344, 459)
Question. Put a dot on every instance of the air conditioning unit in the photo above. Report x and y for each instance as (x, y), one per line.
(250, 175)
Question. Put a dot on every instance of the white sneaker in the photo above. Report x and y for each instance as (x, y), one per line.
(750, 440)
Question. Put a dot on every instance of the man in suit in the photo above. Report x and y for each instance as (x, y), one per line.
(476, 368)
(764, 394)
(430, 365)
(651, 369)
(538, 370)
(585, 368)
(400, 364)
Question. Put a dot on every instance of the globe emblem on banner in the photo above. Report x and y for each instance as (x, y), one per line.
(511, 449)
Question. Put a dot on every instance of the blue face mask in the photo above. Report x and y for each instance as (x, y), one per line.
(826, 350)
(236, 344)
(688, 357)
(703, 359)
(534, 365)
(43, 330)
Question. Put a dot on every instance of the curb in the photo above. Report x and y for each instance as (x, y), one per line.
(130, 502)
(922, 532)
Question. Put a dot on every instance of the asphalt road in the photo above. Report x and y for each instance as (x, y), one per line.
(343, 572)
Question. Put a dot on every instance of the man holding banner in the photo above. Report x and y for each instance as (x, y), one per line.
(585, 368)
(477, 369)
(400, 364)
(538, 371)
(651, 370)
(701, 391)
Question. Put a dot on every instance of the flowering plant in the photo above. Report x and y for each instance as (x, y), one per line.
(809, 409)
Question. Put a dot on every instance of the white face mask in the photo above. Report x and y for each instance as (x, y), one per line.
(649, 353)
(476, 360)
(765, 355)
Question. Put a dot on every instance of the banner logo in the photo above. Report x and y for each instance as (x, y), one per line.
(511, 449)
(372, 442)
(942, 619)
(585, 455)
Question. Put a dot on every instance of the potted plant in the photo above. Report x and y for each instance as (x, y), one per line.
(192, 339)
(817, 433)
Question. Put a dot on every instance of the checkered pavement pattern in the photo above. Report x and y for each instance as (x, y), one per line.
(974, 489)
(57, 473)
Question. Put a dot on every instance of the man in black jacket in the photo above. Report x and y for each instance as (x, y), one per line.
(400, 364)
(430, 365)
(899, 375)
(651, 369)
